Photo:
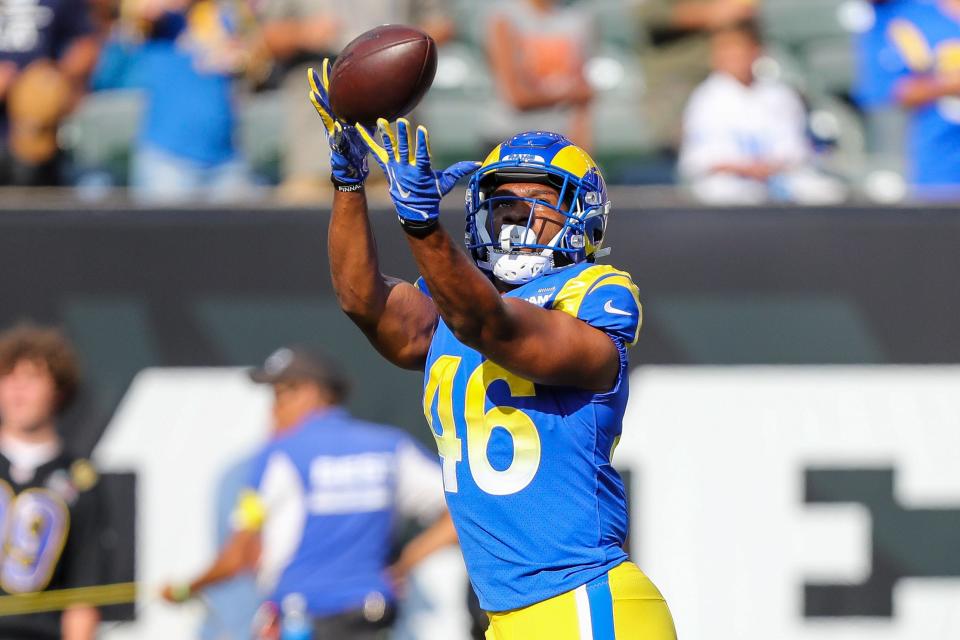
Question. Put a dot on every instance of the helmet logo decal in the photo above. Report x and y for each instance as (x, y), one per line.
(523, 157)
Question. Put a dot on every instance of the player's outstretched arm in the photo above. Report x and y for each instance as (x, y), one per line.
(396, 318)
(549, 347)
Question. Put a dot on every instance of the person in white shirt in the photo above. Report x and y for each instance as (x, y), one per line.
(744, 139)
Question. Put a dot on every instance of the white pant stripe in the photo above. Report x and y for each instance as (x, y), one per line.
(583, 612)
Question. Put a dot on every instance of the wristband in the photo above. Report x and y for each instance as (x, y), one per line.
(419, 229)
(346, 187)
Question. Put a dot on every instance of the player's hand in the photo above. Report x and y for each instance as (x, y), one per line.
(176, 593)
(416, 189)
(348, 153)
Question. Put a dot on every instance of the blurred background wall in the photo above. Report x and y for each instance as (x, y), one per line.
(788, 473)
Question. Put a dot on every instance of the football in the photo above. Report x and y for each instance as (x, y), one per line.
(383, 73)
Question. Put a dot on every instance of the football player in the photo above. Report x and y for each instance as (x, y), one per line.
(49, 505)
(523, 340)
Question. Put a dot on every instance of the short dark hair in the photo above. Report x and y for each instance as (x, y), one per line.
(48, 345)
(749, 27)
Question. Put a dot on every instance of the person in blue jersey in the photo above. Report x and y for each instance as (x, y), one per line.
(923, 40)
(523, 342)
(325, 494)
(876, 64)
(187, 145)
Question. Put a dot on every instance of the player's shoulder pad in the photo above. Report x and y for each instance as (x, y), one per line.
(605, 298)
(83, 475)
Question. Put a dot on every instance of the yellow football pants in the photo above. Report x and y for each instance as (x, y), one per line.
(621, 605)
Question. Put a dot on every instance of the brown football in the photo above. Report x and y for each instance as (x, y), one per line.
(383, 73)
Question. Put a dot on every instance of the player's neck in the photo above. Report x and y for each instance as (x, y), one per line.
(43, 433)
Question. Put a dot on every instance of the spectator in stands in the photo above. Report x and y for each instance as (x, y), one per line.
(317, 516)
(677, 59)
(537, 51)
(875, 61)
(923, 39)
(745, 137)
(299, 34)
(873, 86)
(52, 509)
(47, 51)
(187, 147)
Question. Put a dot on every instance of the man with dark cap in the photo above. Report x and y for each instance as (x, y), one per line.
(317, 517)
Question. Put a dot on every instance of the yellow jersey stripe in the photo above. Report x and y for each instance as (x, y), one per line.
(912, 45)
(576, 289)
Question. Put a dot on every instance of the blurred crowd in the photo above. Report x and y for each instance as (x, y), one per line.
(735, 101)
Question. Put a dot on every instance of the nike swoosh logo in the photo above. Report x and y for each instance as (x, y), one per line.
(609, 308)
(393, 178)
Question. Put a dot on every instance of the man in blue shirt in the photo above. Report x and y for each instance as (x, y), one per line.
(186, 148)
(317, 517)
(876, 61)
(923, 42)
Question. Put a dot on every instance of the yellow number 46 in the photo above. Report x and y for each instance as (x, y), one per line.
(480, 425)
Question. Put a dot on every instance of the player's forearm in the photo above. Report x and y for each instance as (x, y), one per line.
(240, 554)
(466, 299)
(78, 63)
(919, 91)
(79, 623)
(439, 535)
(354, 266)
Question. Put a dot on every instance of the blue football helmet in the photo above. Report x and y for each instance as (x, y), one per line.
(515, 256)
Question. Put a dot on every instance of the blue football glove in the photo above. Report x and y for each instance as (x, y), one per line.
(416, 189)
(348, 153)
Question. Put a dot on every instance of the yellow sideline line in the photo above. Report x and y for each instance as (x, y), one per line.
(60, 599)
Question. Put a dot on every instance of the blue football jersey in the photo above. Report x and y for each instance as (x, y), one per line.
(538, 507)
(925, 41)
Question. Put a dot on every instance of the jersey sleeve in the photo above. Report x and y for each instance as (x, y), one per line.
(421, 286)
(605, 298)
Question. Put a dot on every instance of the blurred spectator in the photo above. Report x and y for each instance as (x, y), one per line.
(745, 138)
(47, 51)
(187, 147)
(873, 85)
(537, 50)
(50, 498)
(232, 604)
(875, 62)
(317, 517)
(299, 34)
(924, 38)
(677, 59)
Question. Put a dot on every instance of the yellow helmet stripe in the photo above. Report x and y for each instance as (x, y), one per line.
(493, 157)
(574, 160)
